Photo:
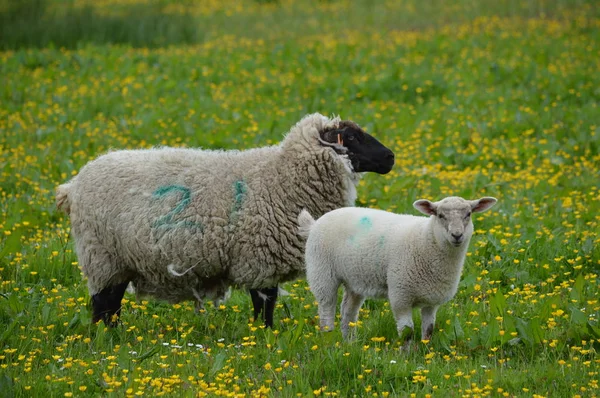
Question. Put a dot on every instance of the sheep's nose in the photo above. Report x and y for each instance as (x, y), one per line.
(389, 156)
(456, 236)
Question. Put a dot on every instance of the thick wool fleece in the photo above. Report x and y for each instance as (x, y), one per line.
(183, 224)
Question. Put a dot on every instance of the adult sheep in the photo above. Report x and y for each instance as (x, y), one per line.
(414, 261)
(185, 224)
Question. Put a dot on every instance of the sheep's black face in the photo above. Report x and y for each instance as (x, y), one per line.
(363, 150)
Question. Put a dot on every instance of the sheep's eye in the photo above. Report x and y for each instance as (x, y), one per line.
(468, 215)
(350, 138)
(441, 216)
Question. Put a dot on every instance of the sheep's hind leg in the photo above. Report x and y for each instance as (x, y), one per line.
(427, 322)
(106, 304)
(351, 304)
(263, 301)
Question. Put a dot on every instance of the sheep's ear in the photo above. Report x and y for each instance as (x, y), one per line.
(333, 138)
(330, 135)
(480, 205)
(426, 207)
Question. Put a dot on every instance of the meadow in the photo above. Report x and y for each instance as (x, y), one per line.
(497, 98)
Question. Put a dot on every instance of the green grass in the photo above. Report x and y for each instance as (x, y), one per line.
(157, 23)
(486, 98)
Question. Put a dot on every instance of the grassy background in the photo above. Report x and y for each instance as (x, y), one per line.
(475, 98)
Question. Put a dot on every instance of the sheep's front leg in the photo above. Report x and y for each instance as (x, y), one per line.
(263, 300)
(351, 304)
(404, 323)
(427, 322)
(270, 302)
(107, 303)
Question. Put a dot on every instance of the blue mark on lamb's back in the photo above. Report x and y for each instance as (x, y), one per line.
(365, 223)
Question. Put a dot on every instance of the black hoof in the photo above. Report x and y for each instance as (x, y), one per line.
(263, 301)
(106, 305)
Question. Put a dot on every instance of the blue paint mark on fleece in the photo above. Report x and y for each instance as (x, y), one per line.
(168, 220)
(240, 192)
(365, 223)
(186, 198)
(241, 189)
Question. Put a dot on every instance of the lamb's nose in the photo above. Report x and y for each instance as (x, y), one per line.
(457, 236)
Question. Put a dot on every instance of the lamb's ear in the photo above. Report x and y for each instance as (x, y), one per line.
(333, 138)
(426, 207)
(480, 205)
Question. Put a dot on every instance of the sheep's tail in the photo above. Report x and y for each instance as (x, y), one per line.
(62, 198)
(305, 223)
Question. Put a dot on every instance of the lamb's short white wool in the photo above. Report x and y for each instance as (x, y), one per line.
(414, 261)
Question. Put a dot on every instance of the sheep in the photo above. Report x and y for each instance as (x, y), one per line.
(187, 224)
(415, 261)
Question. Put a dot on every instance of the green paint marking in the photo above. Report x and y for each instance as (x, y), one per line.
(240, 192)
(168, 220)
(183, 202)
(381, 241)
(365, 222)
(241, 189)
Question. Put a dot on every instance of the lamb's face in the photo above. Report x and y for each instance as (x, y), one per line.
(452, 217)
(363, 150)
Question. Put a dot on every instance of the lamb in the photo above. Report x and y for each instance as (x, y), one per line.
(414, 261)
(187, 224)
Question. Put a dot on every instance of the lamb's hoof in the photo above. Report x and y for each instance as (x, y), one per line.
(408, 346)
(199, 307)
(406, 339)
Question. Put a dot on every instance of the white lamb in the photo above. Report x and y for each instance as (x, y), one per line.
(414, 261)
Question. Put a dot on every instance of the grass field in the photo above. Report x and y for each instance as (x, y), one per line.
(495, 98)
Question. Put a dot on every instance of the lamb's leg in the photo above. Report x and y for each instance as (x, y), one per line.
(326, 295)
(264, 300)
(107, 303)
(427, 322)
(351, 304)
(404, 322)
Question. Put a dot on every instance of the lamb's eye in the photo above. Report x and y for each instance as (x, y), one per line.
(350, 138)
(441, 217)
(468, 215)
